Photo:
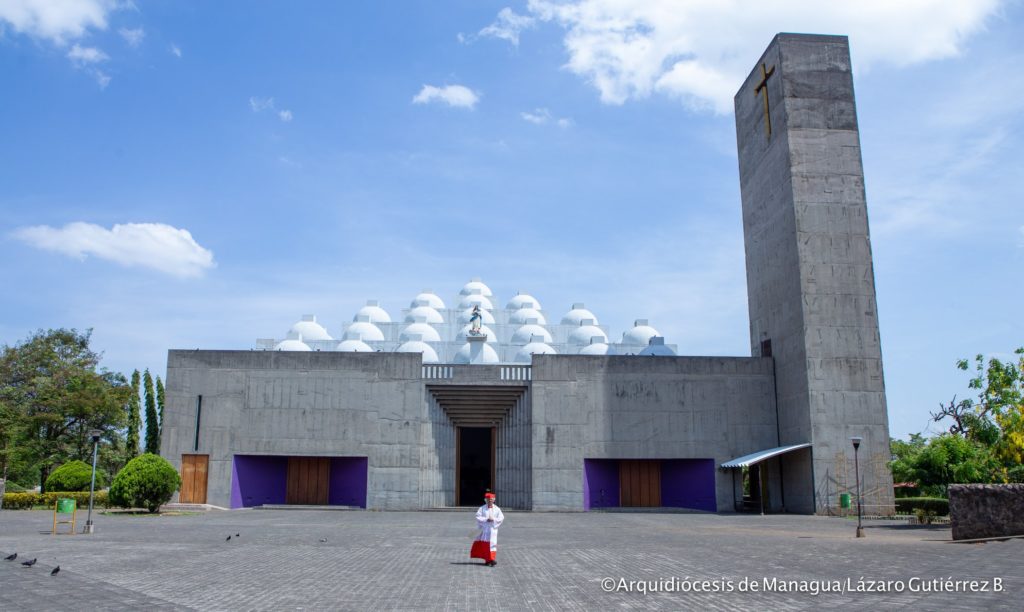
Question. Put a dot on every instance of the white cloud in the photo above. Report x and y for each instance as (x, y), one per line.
(175, 50)
(699, 51)
(542, 116)
(149, 245)
(56, 20)
(261, 104)
(86, 55)
(132, 36)
(452, 95)
(508, 25)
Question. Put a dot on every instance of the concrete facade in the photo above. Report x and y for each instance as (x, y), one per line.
(810, 279)
(815, 375)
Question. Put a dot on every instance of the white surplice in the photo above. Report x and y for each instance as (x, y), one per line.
(489, 530)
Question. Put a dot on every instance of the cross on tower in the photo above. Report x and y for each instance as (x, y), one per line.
(765, 73)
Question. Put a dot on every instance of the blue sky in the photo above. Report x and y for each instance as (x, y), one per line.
(186, 174)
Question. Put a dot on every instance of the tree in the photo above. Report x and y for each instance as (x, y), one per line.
(148, 481)
(152, 424)
(936, 463)
(996, 419)
(160, 402)
(75, 476)
(134, 419)
(53, 392)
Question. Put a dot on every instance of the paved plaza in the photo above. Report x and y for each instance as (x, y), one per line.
(357, 560)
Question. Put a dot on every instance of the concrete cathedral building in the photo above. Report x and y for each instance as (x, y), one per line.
(417, 411)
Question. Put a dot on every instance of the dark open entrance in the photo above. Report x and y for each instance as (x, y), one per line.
(474, 467)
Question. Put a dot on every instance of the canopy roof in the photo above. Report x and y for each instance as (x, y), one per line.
(759, 456)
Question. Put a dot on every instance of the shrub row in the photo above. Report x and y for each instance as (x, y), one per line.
(27, 501)
(907, 505)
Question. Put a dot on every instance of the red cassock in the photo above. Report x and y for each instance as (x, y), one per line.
(482, 550)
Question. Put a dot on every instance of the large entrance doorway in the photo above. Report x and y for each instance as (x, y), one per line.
(474, 464)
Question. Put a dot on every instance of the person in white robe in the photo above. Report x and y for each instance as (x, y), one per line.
(488, 519)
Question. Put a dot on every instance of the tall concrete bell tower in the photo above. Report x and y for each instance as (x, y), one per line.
(810, 279)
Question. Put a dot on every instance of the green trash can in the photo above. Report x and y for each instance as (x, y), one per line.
(65, 505)
(844, 500)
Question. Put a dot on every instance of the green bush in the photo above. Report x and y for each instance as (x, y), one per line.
(148, 481)
(75, 476)
(13, 487)
(909, 505)
(27, 501)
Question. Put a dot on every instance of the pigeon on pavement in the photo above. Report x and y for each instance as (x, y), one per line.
(55, 570)
(29, 563)
(11, 557)
(228, 540)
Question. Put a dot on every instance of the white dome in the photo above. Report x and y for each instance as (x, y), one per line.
(658, 348)
(374, 311)
(427, 298)
(484, 290)
(292, 345)
(429, 315)
(487, 354)
(584, 334)
(523, 300)
(523, 315)
(577, 315)
(597, 348)
(310, 329)
(363, 330)
(640, 335)
(485, 316)
(525, 354)
(476, 300)
(526, 333)
(487, 331)
(418, 346)
(423, 330)
(354, 346)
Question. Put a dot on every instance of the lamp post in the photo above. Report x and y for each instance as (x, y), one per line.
(94, 435)
(856, 470)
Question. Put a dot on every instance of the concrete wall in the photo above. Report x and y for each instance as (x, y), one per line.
(810, 279)
(594, 407)
(313, 404)
(986, 511)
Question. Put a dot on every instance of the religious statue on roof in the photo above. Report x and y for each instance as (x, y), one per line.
(474, 320)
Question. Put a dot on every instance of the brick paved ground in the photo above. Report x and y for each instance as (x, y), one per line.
(419, 560)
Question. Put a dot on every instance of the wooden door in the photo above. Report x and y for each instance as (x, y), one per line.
(308, 481)
(640, 483)
(194, 469)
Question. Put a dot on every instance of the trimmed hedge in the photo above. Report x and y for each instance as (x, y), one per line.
(148, 481)
(27, 501)
(907, 505)
(75, 476)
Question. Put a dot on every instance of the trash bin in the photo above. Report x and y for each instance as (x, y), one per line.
(844, 500)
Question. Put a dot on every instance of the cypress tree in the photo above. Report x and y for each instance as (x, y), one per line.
(134, 419)
(160, 402)
(152, 424)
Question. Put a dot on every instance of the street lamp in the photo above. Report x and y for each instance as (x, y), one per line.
(856, 470)
(94, 435)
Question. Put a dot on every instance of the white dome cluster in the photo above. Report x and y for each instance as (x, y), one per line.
(440, 331)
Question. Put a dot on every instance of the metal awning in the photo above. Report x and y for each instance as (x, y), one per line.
(759, 456)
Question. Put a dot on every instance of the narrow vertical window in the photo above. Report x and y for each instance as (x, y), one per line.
(199, 414)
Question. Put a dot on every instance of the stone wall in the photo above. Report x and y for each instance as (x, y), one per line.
(599, 407)
(986, 511)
